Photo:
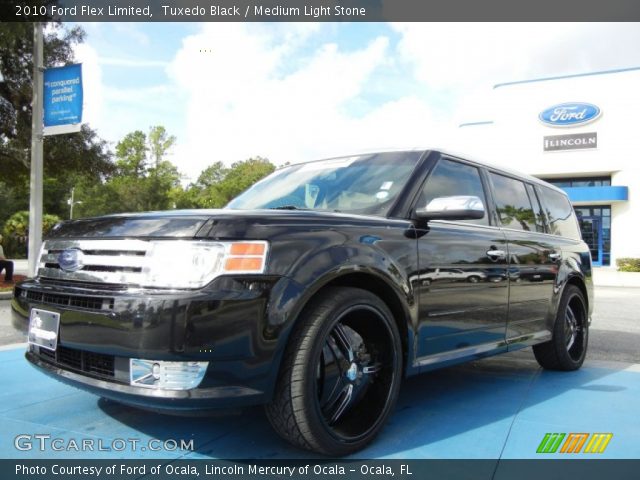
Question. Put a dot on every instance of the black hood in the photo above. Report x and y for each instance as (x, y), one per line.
(201, 223)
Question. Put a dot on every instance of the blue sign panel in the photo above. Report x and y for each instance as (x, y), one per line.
(63, 98)
(569, 114)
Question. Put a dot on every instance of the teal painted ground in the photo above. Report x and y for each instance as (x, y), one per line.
(493, 409)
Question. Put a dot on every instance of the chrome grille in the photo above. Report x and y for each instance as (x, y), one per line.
(117, 262)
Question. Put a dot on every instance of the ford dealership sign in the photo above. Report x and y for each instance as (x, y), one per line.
(569, 114)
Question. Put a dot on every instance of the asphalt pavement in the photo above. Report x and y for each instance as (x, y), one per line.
(615, 327)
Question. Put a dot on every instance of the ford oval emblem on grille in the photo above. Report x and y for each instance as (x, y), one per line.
(569, 114)
(70, 260)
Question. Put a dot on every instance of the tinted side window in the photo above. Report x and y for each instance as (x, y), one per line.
(451, 178)
(513, 204)
(560, 214)
(537, 210)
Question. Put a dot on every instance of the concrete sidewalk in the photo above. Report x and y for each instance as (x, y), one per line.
(610, 277)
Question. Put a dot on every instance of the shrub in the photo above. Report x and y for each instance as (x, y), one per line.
(628, 264)
(16, 233)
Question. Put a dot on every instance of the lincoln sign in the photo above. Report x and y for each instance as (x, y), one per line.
(576, 141)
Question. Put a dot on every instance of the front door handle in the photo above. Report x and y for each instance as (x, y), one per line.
(496, 254)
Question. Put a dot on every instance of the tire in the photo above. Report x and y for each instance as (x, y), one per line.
(568, 346)
(473, 279)
(340, 374)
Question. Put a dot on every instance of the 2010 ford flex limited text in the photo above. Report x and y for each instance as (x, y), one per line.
(314, 292)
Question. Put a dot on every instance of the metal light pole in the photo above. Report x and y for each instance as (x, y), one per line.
(71, 202)
(35, 200)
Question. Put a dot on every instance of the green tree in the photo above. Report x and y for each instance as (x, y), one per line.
(12, 199)
(244, 174)
(206, 192)
(98, 198)
(212, 175)
(66, 157)
(145, 179)
(16, 65)
(217, 184)
(163, 176)
(131, 155)
(16, 232)
(159, 144)
(162, 180)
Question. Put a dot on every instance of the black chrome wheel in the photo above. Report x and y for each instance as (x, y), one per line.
(568, 347)
(575, 329)
(341, 374)
(355, 372)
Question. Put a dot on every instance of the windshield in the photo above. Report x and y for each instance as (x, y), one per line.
(365, 184)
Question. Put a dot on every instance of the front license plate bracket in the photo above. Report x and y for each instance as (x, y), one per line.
(43, 328)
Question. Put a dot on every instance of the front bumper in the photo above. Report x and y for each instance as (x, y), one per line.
(225, 324)
(155, 399)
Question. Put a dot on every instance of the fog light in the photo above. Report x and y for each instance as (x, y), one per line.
(166, 375)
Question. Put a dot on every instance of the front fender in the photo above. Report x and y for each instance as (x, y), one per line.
(355, 265)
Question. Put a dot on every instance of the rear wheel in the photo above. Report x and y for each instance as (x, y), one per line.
(568, 347)
(340, 375)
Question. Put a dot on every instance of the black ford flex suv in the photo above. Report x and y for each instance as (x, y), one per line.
(314, 292)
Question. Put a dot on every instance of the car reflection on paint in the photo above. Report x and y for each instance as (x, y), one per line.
(452, 275)
(497, 274)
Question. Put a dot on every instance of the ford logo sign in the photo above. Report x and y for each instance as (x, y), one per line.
(569, 114)
(70, 260)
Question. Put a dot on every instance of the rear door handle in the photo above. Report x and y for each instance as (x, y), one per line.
(496, 254)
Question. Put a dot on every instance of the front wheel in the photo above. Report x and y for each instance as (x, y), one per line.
(340, 375)
(568, 347)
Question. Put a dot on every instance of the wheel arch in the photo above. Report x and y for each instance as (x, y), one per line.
(579, 282)
(397, 300)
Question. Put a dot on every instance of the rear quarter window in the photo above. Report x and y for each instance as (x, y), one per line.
(560, 215)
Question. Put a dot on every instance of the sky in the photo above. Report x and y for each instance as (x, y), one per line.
(294, 92)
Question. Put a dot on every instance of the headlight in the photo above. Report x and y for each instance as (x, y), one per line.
(193, 264)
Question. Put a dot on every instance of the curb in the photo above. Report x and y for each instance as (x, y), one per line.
(13, 346)
(6, 295)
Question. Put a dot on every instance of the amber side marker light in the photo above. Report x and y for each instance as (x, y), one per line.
(246, 257)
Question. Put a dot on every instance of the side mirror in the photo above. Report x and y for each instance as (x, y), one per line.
(457, 207)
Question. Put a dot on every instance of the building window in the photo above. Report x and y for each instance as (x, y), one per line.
(579, 182)
(595, 225)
